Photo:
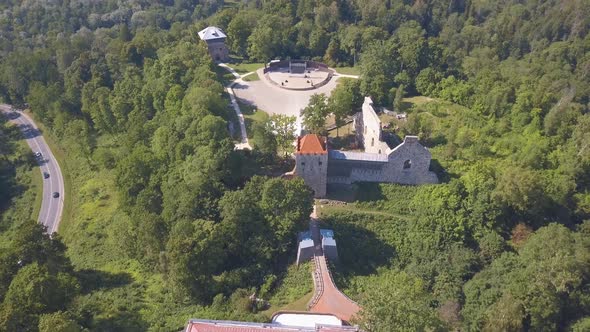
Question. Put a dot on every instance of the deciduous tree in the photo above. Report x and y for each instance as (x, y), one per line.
(284, 128)
(314, 115)
(399, 300)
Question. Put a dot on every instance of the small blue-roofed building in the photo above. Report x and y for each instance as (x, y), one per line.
(215, 39)
(306, 248)
(329, 245)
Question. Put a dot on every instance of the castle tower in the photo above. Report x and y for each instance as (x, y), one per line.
(311, 163)
(215, 39)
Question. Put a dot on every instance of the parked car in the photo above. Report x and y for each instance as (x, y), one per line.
(38, 154)
(45, 175)
(55, 194)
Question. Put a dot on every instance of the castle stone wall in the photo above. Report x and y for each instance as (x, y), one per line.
(371, 129)
(218, 50)
(408, 163)
(313, 168)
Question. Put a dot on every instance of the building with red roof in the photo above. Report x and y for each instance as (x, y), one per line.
(311, 162)
(311, 144)
(281, 322)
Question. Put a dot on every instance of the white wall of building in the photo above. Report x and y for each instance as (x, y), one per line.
(305, 320)
(372, 138)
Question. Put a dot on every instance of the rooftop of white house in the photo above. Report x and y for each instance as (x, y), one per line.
(210, 33)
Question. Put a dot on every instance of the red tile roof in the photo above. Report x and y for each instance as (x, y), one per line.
(311, 144)
(230, 326)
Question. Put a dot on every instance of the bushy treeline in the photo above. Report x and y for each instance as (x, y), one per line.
(416, 275)
(141, 104)
(16, 162)
(131, 94)
(37, 282)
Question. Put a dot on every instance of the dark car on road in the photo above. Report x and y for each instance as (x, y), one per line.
(45, 175)
(55, 194)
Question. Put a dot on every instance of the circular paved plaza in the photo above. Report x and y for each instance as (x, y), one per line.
(274, 100)
(307, 80)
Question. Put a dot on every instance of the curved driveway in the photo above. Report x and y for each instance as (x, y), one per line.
(51, 208)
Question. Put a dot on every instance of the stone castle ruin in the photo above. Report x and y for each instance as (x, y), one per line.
(406, 163)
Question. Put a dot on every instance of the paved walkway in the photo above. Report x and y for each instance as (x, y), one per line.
(327, 297)
(347, 76)
(244, 144)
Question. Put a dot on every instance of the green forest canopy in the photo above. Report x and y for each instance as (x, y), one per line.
(128, 92)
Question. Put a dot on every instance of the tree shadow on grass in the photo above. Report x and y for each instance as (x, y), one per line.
(92, 280)
(405, 106)
(356, 192)
(246, 107)
(441, 173)
(368, 192)
(360, 250)
(343, 142)
(436, 140)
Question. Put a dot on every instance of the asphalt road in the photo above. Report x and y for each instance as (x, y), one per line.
(51, 208)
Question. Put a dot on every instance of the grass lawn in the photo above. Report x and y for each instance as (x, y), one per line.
(231, 3)
(237, 136)
(243, 68)
(326, 210)
(252, 116)
(252, 77)
(294, 291)
(345, 130)
(348, 70)
(436, 107)
(224, 76)
(419, 100)
(367, 230)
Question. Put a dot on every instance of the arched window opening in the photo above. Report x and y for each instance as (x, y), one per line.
(407, 164)
(373, 141)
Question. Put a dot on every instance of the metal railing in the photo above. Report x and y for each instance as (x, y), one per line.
(318, 283)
